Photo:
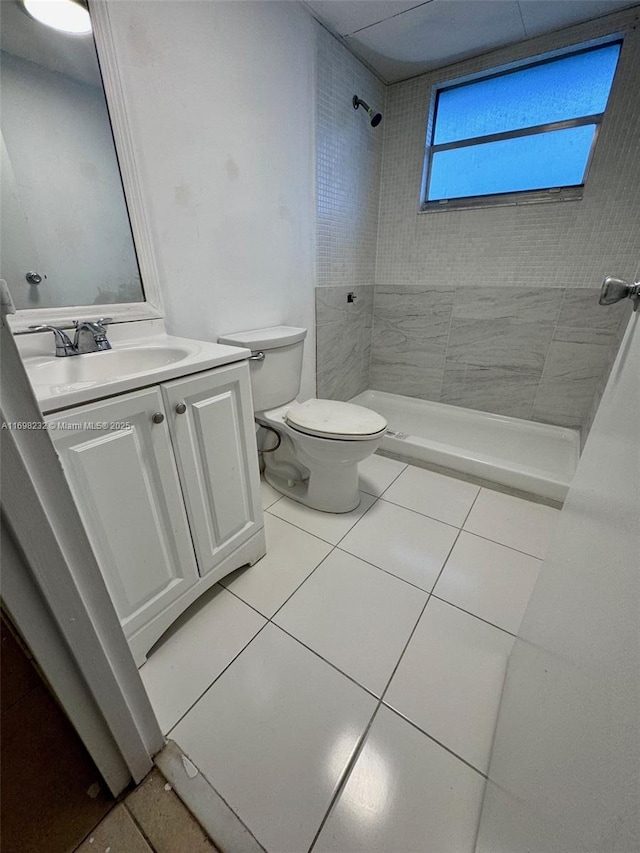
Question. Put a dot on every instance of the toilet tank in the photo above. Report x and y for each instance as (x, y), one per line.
(276, 380)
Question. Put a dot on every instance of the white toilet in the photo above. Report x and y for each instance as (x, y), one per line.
(319, 442)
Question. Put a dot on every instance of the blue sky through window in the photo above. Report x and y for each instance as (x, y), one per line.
(568, 88)
(556, 159)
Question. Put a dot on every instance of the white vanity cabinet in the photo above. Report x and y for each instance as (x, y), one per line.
(166, 480)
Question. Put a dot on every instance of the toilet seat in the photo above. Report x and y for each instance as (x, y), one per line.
(333, 419)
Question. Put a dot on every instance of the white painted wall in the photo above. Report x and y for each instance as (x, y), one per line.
(65, 193)
(220, 100)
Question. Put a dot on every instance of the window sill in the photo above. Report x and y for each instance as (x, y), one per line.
(504, 200)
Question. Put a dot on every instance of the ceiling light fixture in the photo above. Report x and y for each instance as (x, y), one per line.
(67, 16)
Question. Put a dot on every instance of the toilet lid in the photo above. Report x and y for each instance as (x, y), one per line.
(334, 419)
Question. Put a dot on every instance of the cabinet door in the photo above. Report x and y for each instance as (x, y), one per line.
(126, 486)
(215, 444)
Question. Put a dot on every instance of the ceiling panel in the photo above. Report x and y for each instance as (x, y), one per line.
(544, 16)
(401, 39)
(437, 34)
(347, 16)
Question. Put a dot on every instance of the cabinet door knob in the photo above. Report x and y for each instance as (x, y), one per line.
(181, 408)
(158, 418)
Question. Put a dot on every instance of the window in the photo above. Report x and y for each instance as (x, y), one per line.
(528, 131)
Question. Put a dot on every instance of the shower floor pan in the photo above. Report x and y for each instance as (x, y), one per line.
(536, 458)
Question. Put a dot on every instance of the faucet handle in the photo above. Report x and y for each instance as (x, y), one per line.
(60, 334)
(104, 320)
(64, 346)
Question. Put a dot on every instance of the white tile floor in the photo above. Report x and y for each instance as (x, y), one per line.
(341, 694)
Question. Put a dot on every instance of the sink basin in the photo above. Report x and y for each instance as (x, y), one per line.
(138, 359)
(103, 366)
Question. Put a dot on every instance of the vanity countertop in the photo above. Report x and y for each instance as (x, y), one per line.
(142, 354)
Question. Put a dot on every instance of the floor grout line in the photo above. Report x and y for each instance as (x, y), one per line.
(466, 518)
(424, 514)
(368, 509)
(406, 465)
(404, 649)
(474, 615)
(252, 606)
(313, 571)
(291, 524)
(510, 547)
(138, 825)
(435, 740)
(328, 662)
(333, 544)
(219, 675)
(344, 776)
(273, 503)
(343, 550)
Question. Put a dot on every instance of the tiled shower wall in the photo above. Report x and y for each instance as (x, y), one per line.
(348, 168)
(535, 353)
(496, 308)
(493, 308)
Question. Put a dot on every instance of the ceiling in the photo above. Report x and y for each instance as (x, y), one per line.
(400, 39)
(397, 38)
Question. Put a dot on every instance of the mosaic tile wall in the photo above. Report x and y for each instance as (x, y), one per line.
(557, 244)
(348, 169)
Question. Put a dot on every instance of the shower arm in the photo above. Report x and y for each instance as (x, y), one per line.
(375, 117)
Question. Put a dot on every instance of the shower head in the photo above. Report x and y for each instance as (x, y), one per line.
(376, 118)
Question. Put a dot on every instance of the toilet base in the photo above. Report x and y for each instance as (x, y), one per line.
(329, 484)
(329, 496)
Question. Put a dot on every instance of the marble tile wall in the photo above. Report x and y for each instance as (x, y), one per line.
(409, 339)
(577, 357)
(535, 353)
(343, 341)
(623, 319)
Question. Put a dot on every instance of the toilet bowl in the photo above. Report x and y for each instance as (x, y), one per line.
(316, 462)
(312, 449)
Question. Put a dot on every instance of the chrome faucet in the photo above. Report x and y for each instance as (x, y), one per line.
(90, 336)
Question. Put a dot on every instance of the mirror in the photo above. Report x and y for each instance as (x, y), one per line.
(64, 217)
